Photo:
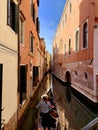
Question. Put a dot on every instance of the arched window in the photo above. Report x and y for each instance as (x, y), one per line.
(85, 35)
(69, 46)
(75, 73)
(85, 76)
(65, 49)
(70, 7)
(77, 41)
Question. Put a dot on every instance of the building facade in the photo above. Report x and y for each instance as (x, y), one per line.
(22, 59)
(48, 61)
(42, 50)
(29, 41)
(75, 47)
(8, 61)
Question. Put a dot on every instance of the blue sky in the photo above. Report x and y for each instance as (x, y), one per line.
(50, 12)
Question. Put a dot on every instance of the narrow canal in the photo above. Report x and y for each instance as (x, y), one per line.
(73, 113)
(31, 122)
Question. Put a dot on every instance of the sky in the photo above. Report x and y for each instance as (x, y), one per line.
(49, 12)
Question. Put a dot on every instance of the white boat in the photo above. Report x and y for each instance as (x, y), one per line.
(93, 125)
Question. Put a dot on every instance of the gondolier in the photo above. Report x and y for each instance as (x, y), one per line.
(44, 107)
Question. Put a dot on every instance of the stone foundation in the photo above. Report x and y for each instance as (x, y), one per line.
(12, 124)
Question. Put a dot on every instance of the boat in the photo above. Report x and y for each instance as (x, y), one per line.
(53, 111)
(93, 125)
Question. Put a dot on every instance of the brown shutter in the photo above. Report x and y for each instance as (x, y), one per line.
(37, 25)
(33, 13)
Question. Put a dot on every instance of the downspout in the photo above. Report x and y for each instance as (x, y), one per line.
(18, 87)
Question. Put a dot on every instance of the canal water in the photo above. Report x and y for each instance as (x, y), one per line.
(30, 121)
(73, 113)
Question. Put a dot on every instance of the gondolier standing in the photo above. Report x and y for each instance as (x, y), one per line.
(44, 107)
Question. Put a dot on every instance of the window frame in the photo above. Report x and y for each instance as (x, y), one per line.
(65, 49)
(85, 35)
(13, 15)
(31, 43)
(69, 46)
(70, 7)
(77, 40)
(21, 30)
(85, 76)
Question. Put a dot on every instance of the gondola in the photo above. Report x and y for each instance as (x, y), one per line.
(53, 111)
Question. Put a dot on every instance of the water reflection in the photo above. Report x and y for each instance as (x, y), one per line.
(30, 121)
(73, 114)
(45, 86)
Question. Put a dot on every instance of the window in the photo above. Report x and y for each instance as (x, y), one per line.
(85, 35)
(65, 49)
(70, 8)
(77, 41)
(31, 6)
(23, 83)
(21, 31)
(63, 24)
(69, 46)
(13, 15)
(38, 2)
(31, 43)
(37, 25)
(75, 74)
(85, 76)
(33, 12)
(65, 18)
(35, 75)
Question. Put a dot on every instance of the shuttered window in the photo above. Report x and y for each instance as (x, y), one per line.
(31, 43)
(13, 15)
(21, 31)
(37, 25)
(33, 13)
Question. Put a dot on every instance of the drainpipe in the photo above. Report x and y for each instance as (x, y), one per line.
(18, 87)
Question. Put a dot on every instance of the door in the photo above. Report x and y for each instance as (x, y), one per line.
(23, 82)
(1, 66)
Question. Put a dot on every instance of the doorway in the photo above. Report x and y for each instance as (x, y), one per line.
(23, 83)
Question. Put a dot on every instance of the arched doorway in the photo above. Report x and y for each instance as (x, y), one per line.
(68, 76)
